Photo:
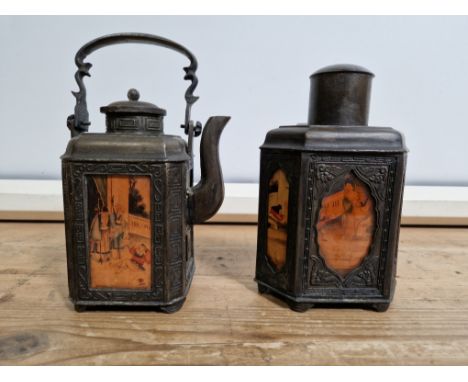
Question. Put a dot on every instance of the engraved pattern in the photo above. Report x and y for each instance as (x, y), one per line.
(176, 239)
(79, 249)
(375, 174)
(326, 173)
(366, 275)
(67, 213)
(308, 224)
(378, 175)
(320, 275)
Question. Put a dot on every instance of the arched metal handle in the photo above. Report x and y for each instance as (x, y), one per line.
(79, 121)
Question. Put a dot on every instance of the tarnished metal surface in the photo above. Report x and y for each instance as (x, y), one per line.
(135, 145)
(331, 159)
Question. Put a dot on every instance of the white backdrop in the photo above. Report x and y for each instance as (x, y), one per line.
(255, 69)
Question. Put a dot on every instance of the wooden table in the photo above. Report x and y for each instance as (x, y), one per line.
(225, 321)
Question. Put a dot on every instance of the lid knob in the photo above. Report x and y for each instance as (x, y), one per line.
(340, 95)
(133, 95)
(133, 106)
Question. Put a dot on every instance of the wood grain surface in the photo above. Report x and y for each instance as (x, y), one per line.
(225, 321)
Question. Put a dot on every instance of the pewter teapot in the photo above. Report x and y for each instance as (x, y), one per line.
(129, 198)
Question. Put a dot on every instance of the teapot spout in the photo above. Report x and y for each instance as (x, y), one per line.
(207, 196)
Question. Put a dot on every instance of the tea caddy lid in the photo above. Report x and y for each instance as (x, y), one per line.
(342, 68)
(340, 95)
(338, 117)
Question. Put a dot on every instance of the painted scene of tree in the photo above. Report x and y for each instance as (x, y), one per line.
(119, 231)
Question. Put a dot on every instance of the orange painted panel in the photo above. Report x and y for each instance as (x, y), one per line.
(346, 225)
(119, 248)
(278, 199)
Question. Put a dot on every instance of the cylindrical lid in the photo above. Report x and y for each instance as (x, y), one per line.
(133, 106)
(134, 116)
(340, 95)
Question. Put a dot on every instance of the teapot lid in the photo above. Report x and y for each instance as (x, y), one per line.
(133, 106)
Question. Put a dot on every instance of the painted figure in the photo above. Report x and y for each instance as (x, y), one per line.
(117, 224)
(95, 233)
(104, 226)
(346, 225)
(358, 214)
(120, 232)
(141, 256)
(278, 195)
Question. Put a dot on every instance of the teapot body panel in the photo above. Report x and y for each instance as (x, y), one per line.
(148, 260)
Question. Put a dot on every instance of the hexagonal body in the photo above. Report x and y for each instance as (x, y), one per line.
(340, 239)
(148, 260)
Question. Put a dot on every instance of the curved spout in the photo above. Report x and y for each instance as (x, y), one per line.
(207, 196)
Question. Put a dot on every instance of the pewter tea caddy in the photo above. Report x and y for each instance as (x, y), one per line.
(128, 197)
(330, 200)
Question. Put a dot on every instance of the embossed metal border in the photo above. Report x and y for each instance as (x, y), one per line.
(78, 173)
(377, 173)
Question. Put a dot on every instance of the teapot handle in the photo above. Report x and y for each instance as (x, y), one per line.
(79, 121)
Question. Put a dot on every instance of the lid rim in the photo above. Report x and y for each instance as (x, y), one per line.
(134, 110)
(343, 68)
(133, 106)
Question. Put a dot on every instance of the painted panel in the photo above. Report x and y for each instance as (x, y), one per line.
(346, 225)
(278, 196)
(119, 250)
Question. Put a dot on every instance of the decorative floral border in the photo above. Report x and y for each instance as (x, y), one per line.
(379, 175)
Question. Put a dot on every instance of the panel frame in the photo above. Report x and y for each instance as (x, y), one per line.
(82, 291)
(373, 278)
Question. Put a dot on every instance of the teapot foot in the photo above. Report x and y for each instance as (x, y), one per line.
(380, 307)
(300, 307)
(80, 308)
(173, 307)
